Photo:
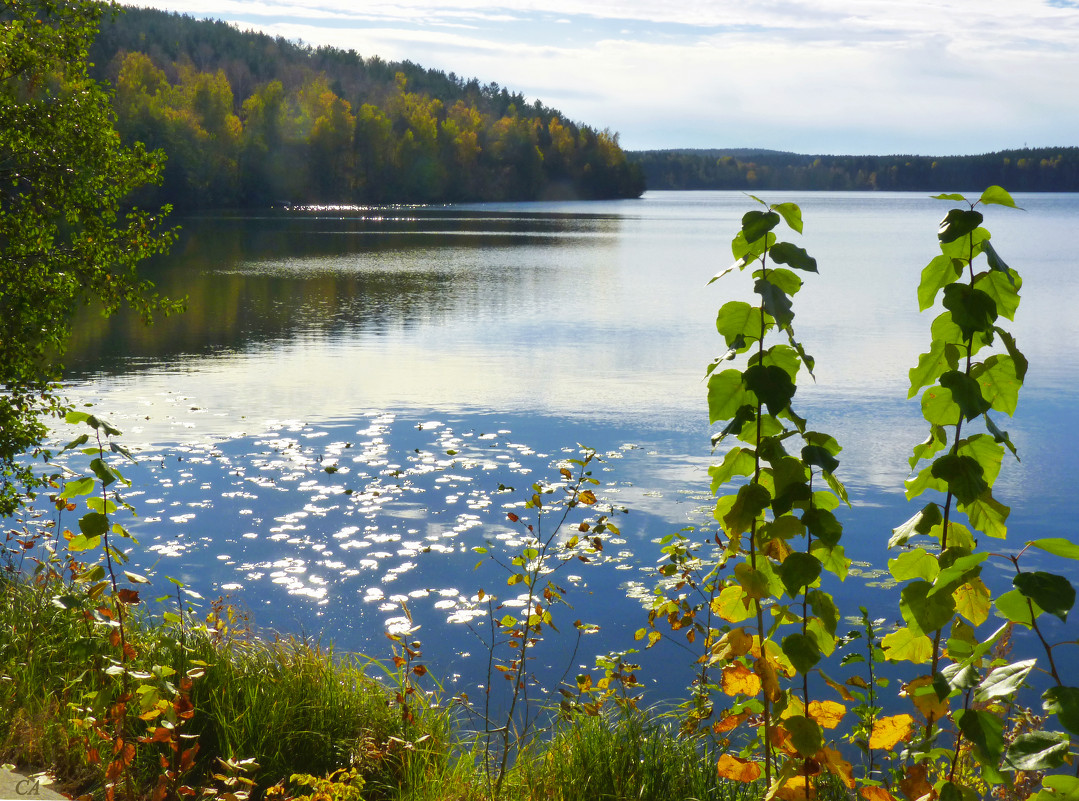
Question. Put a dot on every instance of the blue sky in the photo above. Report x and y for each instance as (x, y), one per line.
(933, 77)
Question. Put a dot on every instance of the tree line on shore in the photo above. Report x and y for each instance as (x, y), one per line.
(246, 119)
(1046, 169)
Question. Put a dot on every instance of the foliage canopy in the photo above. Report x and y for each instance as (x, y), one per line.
(65, 236)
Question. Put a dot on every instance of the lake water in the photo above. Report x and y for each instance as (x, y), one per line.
(428, 356)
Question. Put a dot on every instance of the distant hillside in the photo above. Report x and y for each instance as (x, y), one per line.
(248, 119)
(1053, 169)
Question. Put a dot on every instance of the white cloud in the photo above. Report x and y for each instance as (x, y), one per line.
(818, 75)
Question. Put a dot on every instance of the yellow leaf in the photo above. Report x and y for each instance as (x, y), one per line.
(889, 731)
(921, 692)
(587, 497)
(826, 713)
(839, 688)
(737, 678)
(972, 601)
(796, 789)
(738, 770)
(732, 604)
(732, 645)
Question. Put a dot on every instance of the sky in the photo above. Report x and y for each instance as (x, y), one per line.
(926, 77)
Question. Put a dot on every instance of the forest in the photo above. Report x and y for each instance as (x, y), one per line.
(246, 119)
(1047, 169)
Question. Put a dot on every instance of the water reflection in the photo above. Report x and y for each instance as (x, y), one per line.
(391, 337)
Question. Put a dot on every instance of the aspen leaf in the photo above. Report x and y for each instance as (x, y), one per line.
(915, 784)
(876, 794)
(838, 766)
(732, 604)
(890, 730)
(587, 497)
(796, 789)
(766, 671)
(737, 678)
(731, 645)
(738, 770)
(924, 696)
(826, 713)
(972, 601)
(907, 645)
(729, 723)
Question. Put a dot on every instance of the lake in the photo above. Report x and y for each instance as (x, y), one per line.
(324, 433)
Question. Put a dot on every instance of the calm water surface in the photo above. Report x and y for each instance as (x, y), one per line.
(429, 356)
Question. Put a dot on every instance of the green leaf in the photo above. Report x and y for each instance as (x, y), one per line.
(1015, 606)
(950, 196)
(938, 406)
(102, 471)
(1051, 592)
(988, 515)
(966, 392)
(775, 302)
(772, 386)
(1003, 289)
(726, 395)
(1018, 358)
(925, 480)
(1057, 546)
(756, 224)
(908, 645)
(743, 416)
(78, 486)
(936, 275)
(930, 446)
(1036, 751)
(792, 215)
(972, 309)
(802, 650)
(985, 451)
(995, 195)
(963, 475)
(998, 383)
(805, 735)
(751, 500)
(799, 570)
(819, 456)
(80, 542)
(737, 462)
(985, 731)
(737, 319)
(957, 223)
(93, 524)
(916, 564)
(920, 523)
(825, 609)
(1004, 681)
(794, 256)
(823, 525)
(958, 566)
(784, 279)
(1000, 436)
(924, 612)
(1059, 788)
(1064, 703)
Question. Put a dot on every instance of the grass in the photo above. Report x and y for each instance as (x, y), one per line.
(293, 707)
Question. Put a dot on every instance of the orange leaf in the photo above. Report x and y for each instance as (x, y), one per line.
(916, 784)
(764, 668)
(733, 644)
(838, 766)
(419, 670)
(889, 731)
(128, 596)
(587, 497)
(738, 770)
(737, 678)
(729, 723)
(876, 794)
(826, 713)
